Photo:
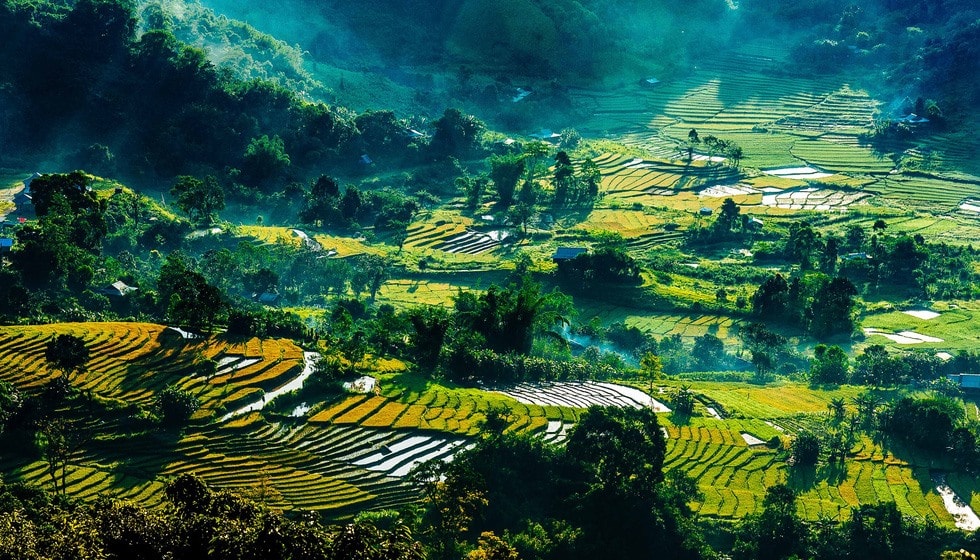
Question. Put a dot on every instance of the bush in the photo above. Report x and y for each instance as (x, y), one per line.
(176, 406)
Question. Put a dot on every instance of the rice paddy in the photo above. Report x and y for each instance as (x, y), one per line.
(355, 452)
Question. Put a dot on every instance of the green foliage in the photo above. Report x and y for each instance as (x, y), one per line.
(806, 449)
(456, 134)
(200, 200)
(176, 406)
(928, 423)
(505, 171)
(830, 365)
(67, 353)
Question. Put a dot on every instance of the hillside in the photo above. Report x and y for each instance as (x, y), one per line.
(516, 279)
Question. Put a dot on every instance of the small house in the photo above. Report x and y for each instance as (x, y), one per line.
(650, 82)
(6, 244)
(755, 224)
(966, 381)
(266, 298)
(705, 211)
(520, 95)
(567, 253)
(855, 257)
(365, 160)
(912, 118)
(117, 289)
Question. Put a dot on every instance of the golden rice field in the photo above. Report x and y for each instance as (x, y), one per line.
(130, 362)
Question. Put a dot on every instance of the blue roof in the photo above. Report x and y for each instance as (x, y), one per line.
(563, 253)
(6, 242)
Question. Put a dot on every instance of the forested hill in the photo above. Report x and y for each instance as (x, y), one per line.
(80, 83)
(113, 86)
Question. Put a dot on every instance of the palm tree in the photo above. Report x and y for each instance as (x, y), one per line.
(837, 408)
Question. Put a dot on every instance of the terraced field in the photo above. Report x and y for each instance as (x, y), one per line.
(132, 361)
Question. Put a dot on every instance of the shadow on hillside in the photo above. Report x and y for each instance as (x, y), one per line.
(680, 419)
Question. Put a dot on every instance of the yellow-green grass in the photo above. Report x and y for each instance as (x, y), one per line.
(957, 326)
(931, 192)
(841, 157)
(658, 324)
(772, 401)
(132, 361)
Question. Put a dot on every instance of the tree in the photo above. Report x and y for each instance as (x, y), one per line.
(67, 352)
(727, 220)
(693, 139)
(532, 154)
(591, 176)
(265, 159)
(200, 200)
(176, 406)
(837, 408)
(828, 257)
(651, 368)
(322, 202)
(351, 204)
(775, 533)
(770, 301)
(806, 449)
(830, 365)
(455, 134)
(430, 325)
(684, 401)
(521, 215)
(505, 172)
(708, 352)
(803, 241)
(563, 180)
(492, 547)
(59, 442)
(832, 308)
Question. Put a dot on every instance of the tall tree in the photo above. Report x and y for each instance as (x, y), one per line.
(67, 352)
(506, 171)
(200, 200)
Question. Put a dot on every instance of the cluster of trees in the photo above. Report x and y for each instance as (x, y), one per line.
(146, 105)
(595, 496)
(570, 186)
(894, 262)
(386, 209)
(194, 522)
(729, 225)
(605, 265)
(715, 147)
(823, 307)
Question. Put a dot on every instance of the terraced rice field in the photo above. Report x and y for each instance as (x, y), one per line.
(630, 179)
(815, 199)
(733, 471)
(934, 193)
(132, 361)
(474, 242)
(582, 395)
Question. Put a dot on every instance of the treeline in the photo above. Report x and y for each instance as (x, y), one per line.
(194, 522)
(148, 106)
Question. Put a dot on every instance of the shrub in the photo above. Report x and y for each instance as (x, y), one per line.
(176, 406)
